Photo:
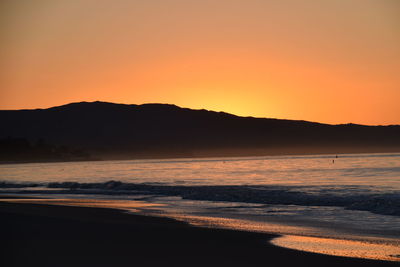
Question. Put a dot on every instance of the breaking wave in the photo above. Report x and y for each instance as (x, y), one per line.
(348, 197)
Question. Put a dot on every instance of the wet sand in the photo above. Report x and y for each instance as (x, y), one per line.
(52, 235)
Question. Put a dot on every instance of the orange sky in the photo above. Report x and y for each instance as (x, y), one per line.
(326, 61)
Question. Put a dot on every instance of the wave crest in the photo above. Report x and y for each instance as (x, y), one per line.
(354, 198)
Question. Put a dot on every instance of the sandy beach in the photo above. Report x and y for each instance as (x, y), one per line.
(53, 235)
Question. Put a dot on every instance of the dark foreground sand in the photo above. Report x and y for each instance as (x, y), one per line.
(57, 236)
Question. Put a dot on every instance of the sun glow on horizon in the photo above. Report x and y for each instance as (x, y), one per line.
(284, 59)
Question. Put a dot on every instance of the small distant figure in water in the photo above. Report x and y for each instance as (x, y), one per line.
(336, 156)
(333, 161)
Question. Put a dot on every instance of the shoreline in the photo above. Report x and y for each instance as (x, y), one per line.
(150, 157)
(56, 235)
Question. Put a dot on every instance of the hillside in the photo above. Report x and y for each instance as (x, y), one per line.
(108, 130)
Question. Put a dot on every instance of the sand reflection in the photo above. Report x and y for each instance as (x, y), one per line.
(293, 237)
(129, 205)
(347, 248)
(367, 247)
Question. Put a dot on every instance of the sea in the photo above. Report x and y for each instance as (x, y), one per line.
(345, 205)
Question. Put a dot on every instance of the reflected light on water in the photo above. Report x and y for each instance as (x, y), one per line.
(294, 237)
(238, 224)
(129, 205)
(378, 249)
(346, 248)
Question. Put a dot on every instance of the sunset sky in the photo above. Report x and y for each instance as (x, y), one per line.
(325, 61)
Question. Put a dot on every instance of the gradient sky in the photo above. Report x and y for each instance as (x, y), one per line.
(326, 61)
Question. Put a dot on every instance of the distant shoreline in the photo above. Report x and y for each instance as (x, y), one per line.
(189, 157)
(45, 161)
(109, 131)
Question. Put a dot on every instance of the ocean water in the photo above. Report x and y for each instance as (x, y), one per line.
(308, 199)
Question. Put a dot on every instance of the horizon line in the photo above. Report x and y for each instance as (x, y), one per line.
(197, 109)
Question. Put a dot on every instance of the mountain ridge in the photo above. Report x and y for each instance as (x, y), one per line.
(185, 108)
(111, 130)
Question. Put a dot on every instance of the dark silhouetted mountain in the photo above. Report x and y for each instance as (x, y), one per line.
(23, 150)
(108, 130)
